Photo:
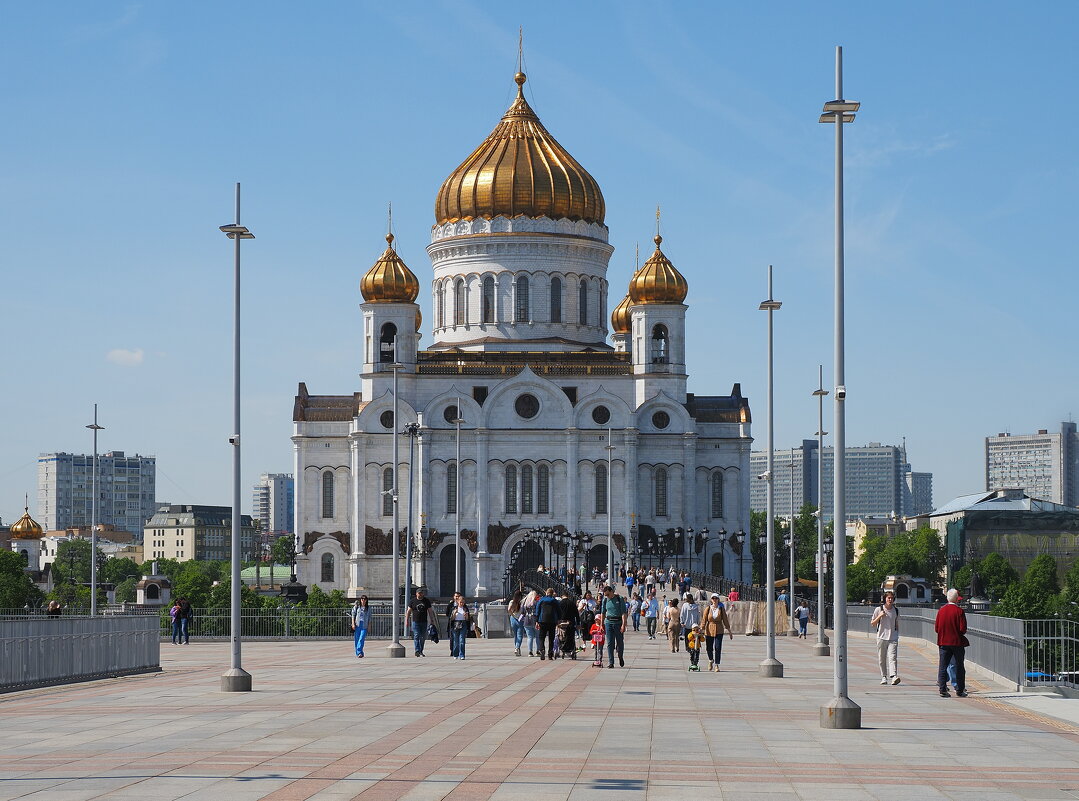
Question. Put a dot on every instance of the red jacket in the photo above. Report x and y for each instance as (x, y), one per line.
(951, 625)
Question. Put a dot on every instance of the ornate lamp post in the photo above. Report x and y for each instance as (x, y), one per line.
(740, 538)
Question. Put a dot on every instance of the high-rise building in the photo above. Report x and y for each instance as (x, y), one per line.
(186, 531)
(1044, 465)
(877, 484)
(126, 486)
(272, 503)
(920, 489)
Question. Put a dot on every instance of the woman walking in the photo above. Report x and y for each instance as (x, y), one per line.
(513, 609)
(712, 626)
(460, 623)
(361, 618)
(528, 621)
(674, 625)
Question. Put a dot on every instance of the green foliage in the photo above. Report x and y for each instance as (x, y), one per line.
(194, 583)
(165, 567)
(1041, 576)
(994, 573)
(861, 581)
(115, 571)
(73, 562)
(1037, 595)
(125, 590)
(16, 588)
(282, 550)
(919, 553)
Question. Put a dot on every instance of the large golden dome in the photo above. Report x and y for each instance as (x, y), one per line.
(26, 528)
(620, 317)
(658, 281)
(389, 280)
(520, 170)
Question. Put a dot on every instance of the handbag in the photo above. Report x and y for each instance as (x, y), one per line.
(432, 633)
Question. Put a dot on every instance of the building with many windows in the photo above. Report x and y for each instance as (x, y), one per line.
(1044, 465)
(880, 482)
(187, 531)
(559, 427)
(126, 486)
(273, 504)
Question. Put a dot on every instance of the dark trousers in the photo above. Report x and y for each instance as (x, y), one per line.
(694, 655)
(952, 655)
(714, 647)
(419, 636)
(650, 622)
(546, 631)
(615, 640)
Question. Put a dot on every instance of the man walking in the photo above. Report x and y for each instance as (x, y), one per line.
(886, 619)
(614, 613)
(651, 614)
(951, 626)
(548, 613)
(689, 615)
(420, 616)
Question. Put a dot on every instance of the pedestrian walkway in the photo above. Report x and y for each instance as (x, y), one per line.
(324, 725)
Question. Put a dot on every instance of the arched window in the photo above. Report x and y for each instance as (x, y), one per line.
(543, 490)
(660, 345)
(387, 343)
(601, 488)
(488, 299)
(717, 495)
(387, 496)
(556, 300)
(902, 591)
(582, 302)
(511, 489)
(521, 314)
(459, 302)
(327, 494)
(526, 490)
(441, 293)
(327, 568)
(451, 488)
(152, 593)
(661, 491)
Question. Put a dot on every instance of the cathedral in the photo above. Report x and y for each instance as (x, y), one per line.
(533, 439)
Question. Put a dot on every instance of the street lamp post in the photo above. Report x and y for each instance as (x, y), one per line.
(740, 537)
(395, 649)
(457, 420)
(770, 667)
(413, 431)
(841, 712)
(793, 631)
(236, 679)
(821, 648)
(610, 530)
(93, 518)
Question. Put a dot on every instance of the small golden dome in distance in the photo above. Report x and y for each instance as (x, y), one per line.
(658, 281)
(620, 323)
(26, 528)
(389, 280)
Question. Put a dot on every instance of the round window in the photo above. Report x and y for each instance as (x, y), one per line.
(527, 406)
(661, 419)
(386, 418)
(601, 414)
(450, 414)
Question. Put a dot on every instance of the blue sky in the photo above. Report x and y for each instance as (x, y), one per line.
(127, 124)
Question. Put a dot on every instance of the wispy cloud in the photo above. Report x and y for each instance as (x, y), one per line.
(125, 357)
(106, 27)
(887, 151)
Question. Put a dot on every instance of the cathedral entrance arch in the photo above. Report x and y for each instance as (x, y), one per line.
(526, 555)
(446, 585)
(717, 563)
(597, 557)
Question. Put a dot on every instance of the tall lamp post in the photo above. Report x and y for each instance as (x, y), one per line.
(770, 667)
(609, 447)
(93, 516)
(793, 631)
(821, 648)
(457, 420)
(413, 431)
(841, 712)
(395, 649)
(236, 679)
(740, 537)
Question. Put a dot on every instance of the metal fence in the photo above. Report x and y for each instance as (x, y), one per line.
(997, 644)
(1051, 647)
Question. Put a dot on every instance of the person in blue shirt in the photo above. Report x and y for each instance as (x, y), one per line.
(651, 615)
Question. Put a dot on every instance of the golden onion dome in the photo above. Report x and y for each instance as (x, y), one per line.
(389, 280)
(658, 281)
(520, 170)
(419, 318)
(620, 317)
(26, 528)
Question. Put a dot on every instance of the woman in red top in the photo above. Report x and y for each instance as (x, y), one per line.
(951, 626)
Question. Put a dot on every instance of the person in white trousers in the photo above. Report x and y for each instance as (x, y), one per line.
(886, 619)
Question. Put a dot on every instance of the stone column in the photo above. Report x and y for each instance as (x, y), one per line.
(483, 558)
(356, 533)
(629, 437)
(299, 488)
(573, 480)
(689, 494)
(419, 570)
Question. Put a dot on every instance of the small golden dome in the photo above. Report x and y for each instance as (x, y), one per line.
(390, 280)
(26, 528)
(419, 318)
(620, 317)
(658, 281)
(520, 170)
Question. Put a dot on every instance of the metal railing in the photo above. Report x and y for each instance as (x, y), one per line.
(539, 581)
(1051, 647)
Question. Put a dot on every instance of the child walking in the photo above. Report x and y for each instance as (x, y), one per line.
(693, 647)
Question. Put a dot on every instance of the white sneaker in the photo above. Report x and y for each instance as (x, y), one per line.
(884, 681)
(895, 680)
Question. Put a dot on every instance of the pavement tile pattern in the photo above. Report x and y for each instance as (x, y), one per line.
(324, 725)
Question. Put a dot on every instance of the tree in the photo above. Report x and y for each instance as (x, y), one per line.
(193, 583)
(125, 590)
(995, 575)
(16, 588)
(282, 550)
(72, 562)
(115, 571)
(1036, 596)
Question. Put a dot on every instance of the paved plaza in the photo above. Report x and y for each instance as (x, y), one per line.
(324, 725)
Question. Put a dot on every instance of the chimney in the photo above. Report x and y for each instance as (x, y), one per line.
(155, 567)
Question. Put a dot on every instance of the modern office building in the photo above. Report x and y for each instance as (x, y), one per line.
(185, 531)
(126, 486)
(272, 503)
(877, 481)
(1044, 465)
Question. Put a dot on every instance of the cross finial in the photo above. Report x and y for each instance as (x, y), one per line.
(658, 239)
(389, 223)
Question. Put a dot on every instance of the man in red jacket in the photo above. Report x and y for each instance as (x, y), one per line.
(951, 626)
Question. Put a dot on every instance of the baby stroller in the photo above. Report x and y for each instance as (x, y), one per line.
(597, 646)
(564, 641)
